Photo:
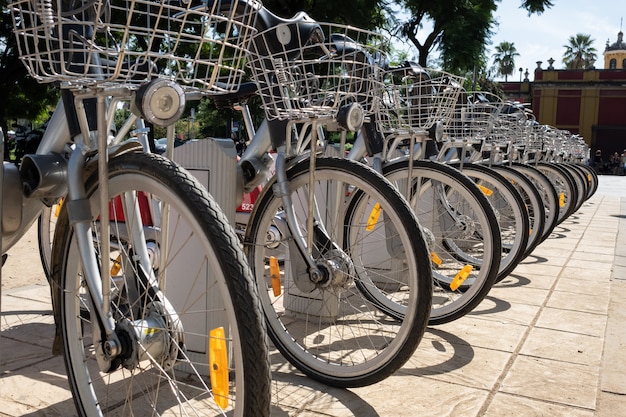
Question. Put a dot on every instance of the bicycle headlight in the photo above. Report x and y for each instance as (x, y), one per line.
(350, 116)
(161, 102)
(436, 131)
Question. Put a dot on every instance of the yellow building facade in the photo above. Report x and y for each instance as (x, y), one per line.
(590, 102)
(615, 54)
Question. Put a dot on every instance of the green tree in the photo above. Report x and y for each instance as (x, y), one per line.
(460, 29)
(579, 52)
(20, 95)
(504, 59)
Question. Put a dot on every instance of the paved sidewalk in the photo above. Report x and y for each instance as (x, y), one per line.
(548, 341)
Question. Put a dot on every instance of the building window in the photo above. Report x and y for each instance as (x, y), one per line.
(612, 63)
(624, 63)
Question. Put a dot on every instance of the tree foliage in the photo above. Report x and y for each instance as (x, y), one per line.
(20, 95)
(536, 6)
(460, 29)
(579, 52)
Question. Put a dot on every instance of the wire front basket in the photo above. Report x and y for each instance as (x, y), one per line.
(475, 117)
(309, 71)
(413, 99)
(131, 41)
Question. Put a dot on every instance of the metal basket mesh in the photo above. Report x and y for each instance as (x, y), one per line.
(509, 128)
(415, 98)
(131, 41)
(475, 117)
(536, 137)
(310, 71)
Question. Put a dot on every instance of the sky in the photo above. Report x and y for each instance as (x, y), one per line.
(540, 37)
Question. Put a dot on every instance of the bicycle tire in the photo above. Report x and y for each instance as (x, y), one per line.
(580, 182)
(465, 220)
(532, 200)
(548, 194)
(564, 186)
(341, 332)
(46, 223)
(210, 286)
(45, 235)
(510, 211)
(592, 179)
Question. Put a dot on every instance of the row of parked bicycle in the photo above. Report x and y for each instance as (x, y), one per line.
(346, 257)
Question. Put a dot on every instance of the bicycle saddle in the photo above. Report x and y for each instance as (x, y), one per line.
(289, 34)
(227, 100)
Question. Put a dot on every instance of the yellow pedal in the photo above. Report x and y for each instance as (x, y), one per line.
(435, 259)
(218, 362)
(486, 191)
(275, 276)
(373, 217)
(562, 200)
(460, 277)
(117, 266)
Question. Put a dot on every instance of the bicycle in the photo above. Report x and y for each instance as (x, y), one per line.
(351, 301)
(459, 215)
(155, 306)
(462, 232)
(254, 168)
(468, 143)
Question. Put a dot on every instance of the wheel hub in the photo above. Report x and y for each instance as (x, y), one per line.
(155, 337)
(466, 226)
(339, 270)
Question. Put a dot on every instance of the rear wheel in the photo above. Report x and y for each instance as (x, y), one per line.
(45, 234)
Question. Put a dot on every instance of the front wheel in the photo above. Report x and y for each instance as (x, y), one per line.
(510, 210)
(364, 319)
(461, 230)
(191, 333)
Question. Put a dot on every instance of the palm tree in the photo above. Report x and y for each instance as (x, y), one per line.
(579, 53)
(504, 59)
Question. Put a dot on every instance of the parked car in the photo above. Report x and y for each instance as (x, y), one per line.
(160, 145)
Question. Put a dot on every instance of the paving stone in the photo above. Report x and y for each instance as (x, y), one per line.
(571, 347)
(572, 321)
(555, 381)
(505, 405)
(592, 303)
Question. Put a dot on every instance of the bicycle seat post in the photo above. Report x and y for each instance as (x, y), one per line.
(244, 108)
